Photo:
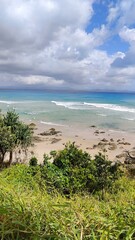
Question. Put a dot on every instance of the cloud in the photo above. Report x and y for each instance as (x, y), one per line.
(122, 13)
(128, 60)
(45, 44)
(121, 20)
(34, 24)
(128, 35)
(124, 67)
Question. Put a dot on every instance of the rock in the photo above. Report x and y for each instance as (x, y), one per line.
(130, 158)
(121, 155)
(104, 140)
(132, 153)
(121, 142)
(96, 132)
(92, 126)
(111, 140)
(126, 143)
(51, 132)
(55, 140)
(113, 146)
(32, 127)
(104, 150)
(88, 148)
(101, 144)
(37, 139)
(94, 146)
(102, 132)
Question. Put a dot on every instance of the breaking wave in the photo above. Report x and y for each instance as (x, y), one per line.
(113, 107)
(130, 119)
(89, 106)
(70, 105)
(54, 124)
(7, 102)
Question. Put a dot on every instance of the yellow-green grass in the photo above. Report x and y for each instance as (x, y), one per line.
(27, 211)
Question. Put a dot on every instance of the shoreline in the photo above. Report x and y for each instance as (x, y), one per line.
(91, 139)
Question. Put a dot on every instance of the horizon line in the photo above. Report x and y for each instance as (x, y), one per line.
(68, 90)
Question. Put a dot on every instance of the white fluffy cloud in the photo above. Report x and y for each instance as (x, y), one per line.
(35, 23)
(126, 65)
(45, 44)
(128, 35)
(121, 19)
(123, 12)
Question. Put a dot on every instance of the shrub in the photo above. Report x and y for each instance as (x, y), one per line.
(72, 171)
(33, 161)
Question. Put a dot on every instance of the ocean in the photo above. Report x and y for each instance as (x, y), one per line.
(114, 111)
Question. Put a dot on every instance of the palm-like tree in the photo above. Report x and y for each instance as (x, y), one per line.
(13, 133)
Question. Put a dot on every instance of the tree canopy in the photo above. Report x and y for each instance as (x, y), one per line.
(13, 133)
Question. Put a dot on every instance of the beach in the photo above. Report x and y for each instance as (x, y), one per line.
(96, 122)
(111, 143)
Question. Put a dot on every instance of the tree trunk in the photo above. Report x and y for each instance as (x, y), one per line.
(10, 157)
(2, 155)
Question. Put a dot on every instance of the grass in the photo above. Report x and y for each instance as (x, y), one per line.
(28, 212)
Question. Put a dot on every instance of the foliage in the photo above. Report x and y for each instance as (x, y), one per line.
(7, 141)
(73, 171)
(33, 161)
(106, 173)
(13, 133)
(27, 211)
(22, 131)
(32, 198)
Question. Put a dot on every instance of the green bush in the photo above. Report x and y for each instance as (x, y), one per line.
(33, 161)
(73, 171)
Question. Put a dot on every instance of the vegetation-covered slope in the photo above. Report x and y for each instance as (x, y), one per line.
(72, 197)
(27, 211)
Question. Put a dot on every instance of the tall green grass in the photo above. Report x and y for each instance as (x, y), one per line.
(27, 211)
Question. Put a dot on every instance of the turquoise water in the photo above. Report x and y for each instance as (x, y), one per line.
(106, 110)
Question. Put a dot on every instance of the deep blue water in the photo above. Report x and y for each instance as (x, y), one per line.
(106, 110)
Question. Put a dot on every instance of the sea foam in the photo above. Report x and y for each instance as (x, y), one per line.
(129, 119)
(7, 102)
(71, 105)
(89, 106)
(113, 107)
(54, 124)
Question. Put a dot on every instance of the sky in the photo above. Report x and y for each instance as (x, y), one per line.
(67, 44)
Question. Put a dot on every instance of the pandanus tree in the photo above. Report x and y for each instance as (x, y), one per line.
(13, 134)
(7, 142)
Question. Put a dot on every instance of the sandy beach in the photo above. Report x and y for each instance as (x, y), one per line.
(111, 143)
